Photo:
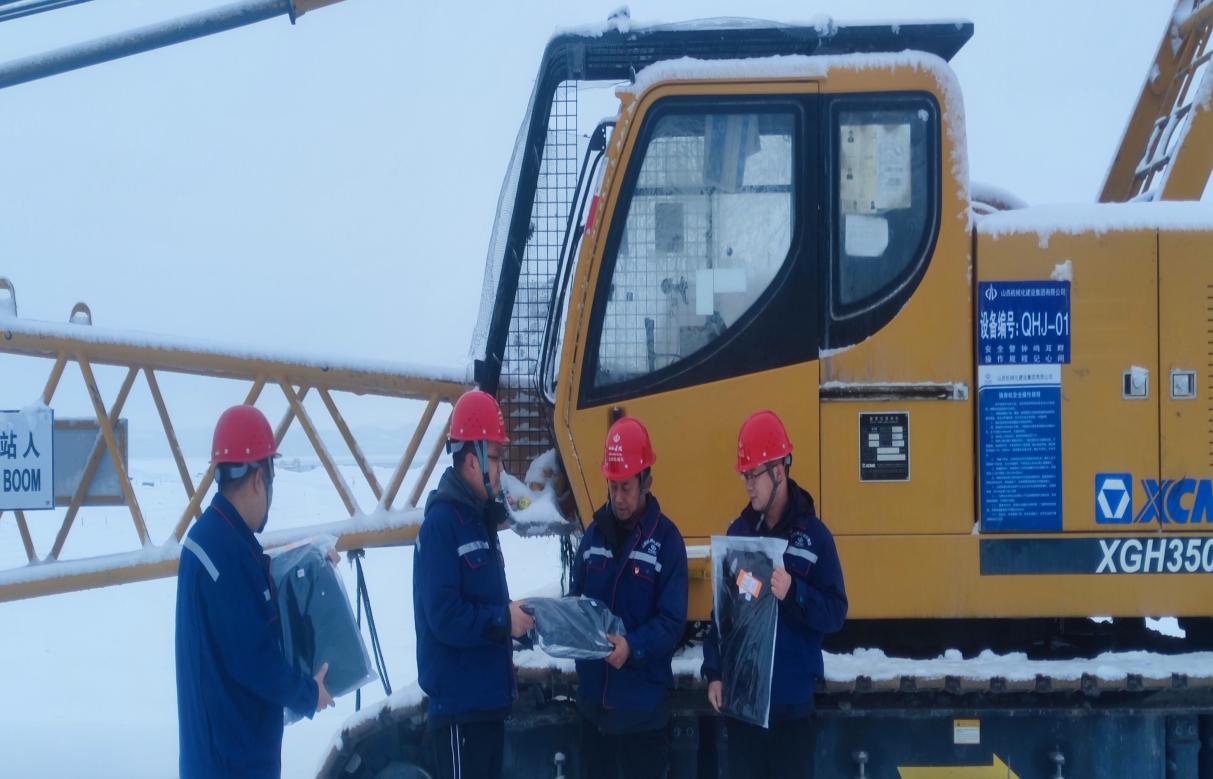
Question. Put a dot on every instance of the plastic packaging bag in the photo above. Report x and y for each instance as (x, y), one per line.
(746, 617)
(575, 628)
(318, 625)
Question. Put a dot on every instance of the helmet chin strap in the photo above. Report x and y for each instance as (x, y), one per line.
(482, 456)
(269, 495)
(775, 482)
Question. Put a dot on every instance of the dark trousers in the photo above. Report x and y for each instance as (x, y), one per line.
(643, 755)
(785, 750)
(468, 750)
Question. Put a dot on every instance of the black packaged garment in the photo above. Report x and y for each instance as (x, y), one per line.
(575, 628)
(746, 617)
(318, 625)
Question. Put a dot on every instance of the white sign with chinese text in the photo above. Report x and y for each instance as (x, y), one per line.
(27, 457)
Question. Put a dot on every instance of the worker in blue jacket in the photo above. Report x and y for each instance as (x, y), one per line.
(461, 603)
(633, 559)
(812, 603)
(233, 679)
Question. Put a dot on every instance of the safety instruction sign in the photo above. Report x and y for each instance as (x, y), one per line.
(1023, 322)
(1023, 339)
(1020, 447)
(27, 459)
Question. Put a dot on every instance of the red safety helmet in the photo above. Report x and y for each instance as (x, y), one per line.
(628, 450)
(243, 435)
(477, 417)
(762, 439)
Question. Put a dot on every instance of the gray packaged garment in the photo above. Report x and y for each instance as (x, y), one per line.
(746, 617)
(575, 628)
(318, 625)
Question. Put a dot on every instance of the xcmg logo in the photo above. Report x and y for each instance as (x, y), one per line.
(1169, 501)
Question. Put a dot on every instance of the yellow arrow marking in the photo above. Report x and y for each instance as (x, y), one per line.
(997, 770)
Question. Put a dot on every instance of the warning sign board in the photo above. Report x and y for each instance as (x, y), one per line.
(27, 459)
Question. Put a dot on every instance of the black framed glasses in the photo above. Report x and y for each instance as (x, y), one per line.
(749, 477)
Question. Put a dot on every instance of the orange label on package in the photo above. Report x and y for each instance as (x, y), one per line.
(747, 584)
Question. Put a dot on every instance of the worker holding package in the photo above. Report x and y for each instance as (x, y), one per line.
(461, 602)
(233, 678)
(632, 558)
(807, 585)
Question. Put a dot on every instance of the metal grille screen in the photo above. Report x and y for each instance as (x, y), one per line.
(521, 402)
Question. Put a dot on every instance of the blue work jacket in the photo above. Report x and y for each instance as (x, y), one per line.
(461, 610)
(642, 577)
(233, 680)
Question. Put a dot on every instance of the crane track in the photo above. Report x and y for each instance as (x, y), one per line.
(394, 729)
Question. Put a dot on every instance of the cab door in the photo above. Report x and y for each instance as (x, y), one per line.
(700, 296)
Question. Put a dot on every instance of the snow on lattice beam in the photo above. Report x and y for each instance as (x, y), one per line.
(294, 374)
(381, 529)
(110, 346)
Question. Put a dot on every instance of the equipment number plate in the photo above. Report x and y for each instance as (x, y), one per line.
(884, 446)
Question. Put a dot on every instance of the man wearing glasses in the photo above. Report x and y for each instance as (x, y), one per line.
(812, 602)
(233, 679)
(461, 604)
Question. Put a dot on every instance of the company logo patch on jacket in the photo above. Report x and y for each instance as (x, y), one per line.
(648, 553)
(799, 546)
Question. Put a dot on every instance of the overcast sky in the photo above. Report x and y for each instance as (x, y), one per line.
(330, 186)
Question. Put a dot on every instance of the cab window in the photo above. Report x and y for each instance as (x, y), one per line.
(885, 203)
(708, 226)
